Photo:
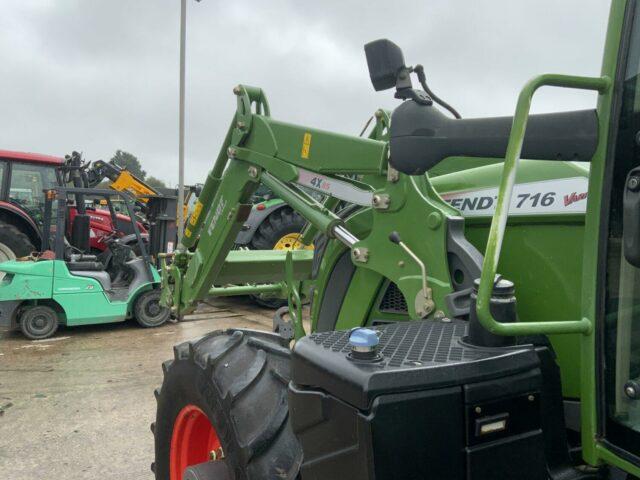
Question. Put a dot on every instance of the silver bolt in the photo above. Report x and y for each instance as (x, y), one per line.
(253, 172)
(630, 391)
(237, 90)
(478, 410)
(231, 152)
(376, 199)
(531, 398)
(401, 264)
(240, 125)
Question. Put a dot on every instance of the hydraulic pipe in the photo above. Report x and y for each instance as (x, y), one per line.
(345, 236)
(246, 290)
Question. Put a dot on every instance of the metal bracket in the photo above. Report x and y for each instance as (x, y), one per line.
(393, 175)
(293, 298)
(360, 255)
(424, 303)
(381, 201)
(283, 327)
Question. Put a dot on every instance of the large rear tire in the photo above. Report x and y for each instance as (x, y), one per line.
(13, 243)
(231, 390)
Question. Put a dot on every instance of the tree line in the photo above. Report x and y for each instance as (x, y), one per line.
(129, 161)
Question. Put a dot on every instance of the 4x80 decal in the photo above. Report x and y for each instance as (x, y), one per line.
(548, 197)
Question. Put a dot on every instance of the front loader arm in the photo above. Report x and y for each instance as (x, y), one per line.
(259, 149)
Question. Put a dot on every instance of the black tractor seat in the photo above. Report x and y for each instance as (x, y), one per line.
(85, 266)
(81, 262)
(422, 136)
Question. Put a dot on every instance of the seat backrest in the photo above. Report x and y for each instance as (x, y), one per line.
(80, 232)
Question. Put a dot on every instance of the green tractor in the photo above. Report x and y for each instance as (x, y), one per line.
(271, 225)
(65, 285)
(420, 363)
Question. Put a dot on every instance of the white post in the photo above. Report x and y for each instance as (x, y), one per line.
(183, 35)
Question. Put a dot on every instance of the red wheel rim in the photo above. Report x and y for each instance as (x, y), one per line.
(192, 441)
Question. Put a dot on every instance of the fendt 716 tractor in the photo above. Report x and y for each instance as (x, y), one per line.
(427, 359)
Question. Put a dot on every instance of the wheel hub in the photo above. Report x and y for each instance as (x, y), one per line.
(291, 241)
(153, 309)
(40, 322)
(193, 441)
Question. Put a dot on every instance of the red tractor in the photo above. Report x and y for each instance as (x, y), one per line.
(23, 177)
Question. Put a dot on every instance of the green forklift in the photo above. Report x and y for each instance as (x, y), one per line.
(64, 285)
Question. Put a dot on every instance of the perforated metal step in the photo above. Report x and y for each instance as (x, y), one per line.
(413, 343)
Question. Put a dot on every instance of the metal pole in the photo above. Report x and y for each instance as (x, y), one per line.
(183, 35)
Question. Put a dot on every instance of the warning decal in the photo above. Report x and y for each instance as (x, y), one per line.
(549, 197)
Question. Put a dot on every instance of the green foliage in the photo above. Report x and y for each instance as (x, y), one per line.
(155, 182)
(130, 162)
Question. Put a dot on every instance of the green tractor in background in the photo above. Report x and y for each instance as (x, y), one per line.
(272, 225)
(421, 363)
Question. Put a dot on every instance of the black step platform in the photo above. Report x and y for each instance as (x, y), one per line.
(413, 355)
(427, 406)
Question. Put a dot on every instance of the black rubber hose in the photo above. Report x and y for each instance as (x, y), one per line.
(419, 69)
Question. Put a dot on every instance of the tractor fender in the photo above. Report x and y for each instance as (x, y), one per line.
(16, 216)
(256, 217)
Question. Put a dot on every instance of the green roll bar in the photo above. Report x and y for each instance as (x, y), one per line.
(499, 220)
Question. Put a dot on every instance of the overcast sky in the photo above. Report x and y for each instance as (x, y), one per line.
(102, 75)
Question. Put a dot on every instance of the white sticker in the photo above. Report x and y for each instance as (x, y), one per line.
(216, 215)
(335, 188)
(169, 247)
(547, 197)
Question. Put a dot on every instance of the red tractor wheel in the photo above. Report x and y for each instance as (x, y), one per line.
(194, 440)
(224, 396)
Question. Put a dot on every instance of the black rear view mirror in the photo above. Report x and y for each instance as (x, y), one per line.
(385, 61)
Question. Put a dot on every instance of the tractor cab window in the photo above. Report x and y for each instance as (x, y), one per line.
(26, 188)
(622, 284)
(2, 170)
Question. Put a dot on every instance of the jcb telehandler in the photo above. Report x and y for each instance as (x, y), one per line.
(472, 387)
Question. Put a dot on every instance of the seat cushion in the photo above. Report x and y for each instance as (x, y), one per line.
(85, 266)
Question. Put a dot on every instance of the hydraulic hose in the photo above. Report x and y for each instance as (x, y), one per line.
(422, 78)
